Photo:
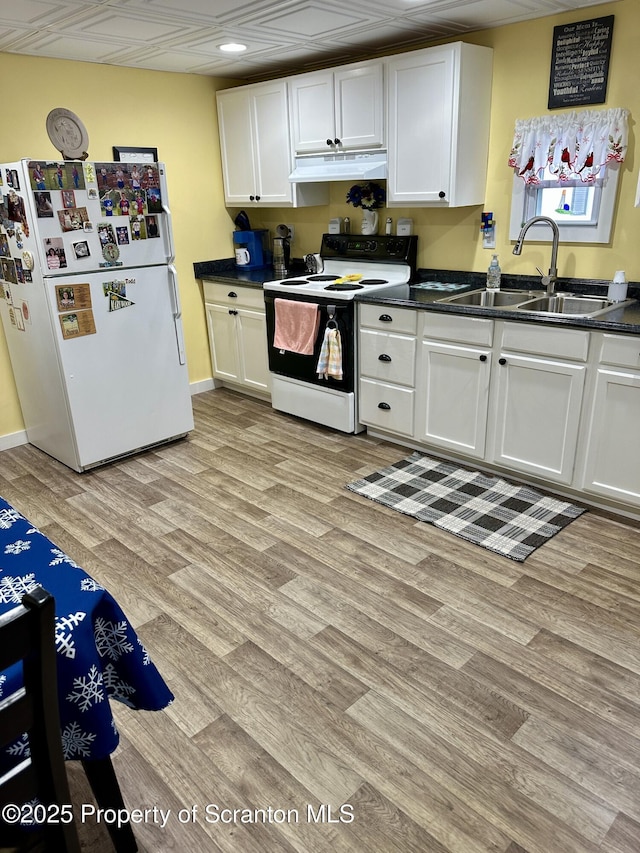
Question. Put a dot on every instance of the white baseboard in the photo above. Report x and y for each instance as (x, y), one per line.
(202, 386)
(13, 439)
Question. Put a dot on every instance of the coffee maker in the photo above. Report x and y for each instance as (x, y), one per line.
(249, 248)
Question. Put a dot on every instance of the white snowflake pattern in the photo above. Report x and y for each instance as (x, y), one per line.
(89, 585)
(75, 742)
(8, 517)
(60, 557)
(3, 678)
(146, 658)
(117, 688)
(111, 639)
(20, 748)
(17, 547)
(13, 588)
(88, 689)
(64, 626)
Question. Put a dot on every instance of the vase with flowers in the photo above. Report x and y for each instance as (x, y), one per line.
(369, 197)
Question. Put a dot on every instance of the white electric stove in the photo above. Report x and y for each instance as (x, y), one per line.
(371, 264)
(376, 263)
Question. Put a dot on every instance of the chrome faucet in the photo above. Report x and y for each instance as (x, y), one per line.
(549, 280)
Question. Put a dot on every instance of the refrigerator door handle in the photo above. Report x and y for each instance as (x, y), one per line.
(171, 253)
(177, 312)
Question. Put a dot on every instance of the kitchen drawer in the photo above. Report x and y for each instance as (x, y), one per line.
(220, 293)
(623, 350)
(543, 340)
(453, 327)
(388, 357)
(388, 407)
(387, 318)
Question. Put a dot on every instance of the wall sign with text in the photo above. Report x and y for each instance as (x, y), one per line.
(580, 63)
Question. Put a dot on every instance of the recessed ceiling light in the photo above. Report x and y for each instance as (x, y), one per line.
(232, 47)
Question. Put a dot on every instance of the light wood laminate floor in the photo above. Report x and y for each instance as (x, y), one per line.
(327, 651)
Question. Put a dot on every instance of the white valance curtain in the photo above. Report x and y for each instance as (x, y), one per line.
(574, 145)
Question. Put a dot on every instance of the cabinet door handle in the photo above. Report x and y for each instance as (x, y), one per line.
(257, 198)
(329, 141)
(232, 311)
(385, 318)
(384, 357)
(232, 294)
(252, 198)
(336, 141)
(502, 361)
(384, 406)
(483, 358)
(442, 194)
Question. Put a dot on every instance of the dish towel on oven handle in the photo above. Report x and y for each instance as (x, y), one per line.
(296, 326)
(330, 359)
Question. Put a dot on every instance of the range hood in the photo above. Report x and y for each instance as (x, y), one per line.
(339, 167)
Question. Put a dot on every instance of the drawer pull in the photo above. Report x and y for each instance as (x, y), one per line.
(483, 358)
(502, 361)
(385, 318)
(384, 357)
(232, 294)
(232, 311)
(384, 406)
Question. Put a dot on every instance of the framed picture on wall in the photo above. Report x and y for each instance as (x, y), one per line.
(126, 154)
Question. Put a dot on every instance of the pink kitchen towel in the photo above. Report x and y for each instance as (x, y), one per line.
(296, 326)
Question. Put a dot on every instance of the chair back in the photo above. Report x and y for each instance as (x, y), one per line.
(27, 637)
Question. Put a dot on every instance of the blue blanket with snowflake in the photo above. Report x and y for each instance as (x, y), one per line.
(99, 655)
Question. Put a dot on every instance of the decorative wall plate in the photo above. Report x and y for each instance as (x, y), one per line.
(68, 134)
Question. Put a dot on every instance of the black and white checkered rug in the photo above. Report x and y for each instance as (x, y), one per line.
(507, 518)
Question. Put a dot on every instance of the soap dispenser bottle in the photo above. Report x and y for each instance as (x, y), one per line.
(493, 274)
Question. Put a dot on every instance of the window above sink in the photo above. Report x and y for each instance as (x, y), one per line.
(595, 201)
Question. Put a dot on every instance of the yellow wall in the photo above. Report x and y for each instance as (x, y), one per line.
(176, 113)
(124, 106)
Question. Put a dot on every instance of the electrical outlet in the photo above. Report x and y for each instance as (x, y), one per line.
(290, 227)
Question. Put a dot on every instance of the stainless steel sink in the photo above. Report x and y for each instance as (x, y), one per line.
(571, 305)
(537, 302)
(492, 298)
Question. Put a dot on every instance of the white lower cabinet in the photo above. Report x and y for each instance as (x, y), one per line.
(238, 335)
(537, 405)
(387, 357)
(536, 400)
(453, 390)
(611, 462)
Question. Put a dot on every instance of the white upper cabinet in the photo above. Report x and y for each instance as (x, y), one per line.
(341, 109)
(255, 148)
(438, 113)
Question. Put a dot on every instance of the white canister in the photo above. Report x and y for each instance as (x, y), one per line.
(617, 291)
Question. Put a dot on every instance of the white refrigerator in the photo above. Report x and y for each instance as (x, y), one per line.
(90, 308)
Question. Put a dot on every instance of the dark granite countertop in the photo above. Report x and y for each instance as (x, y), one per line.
(226, 270)
(431, 285)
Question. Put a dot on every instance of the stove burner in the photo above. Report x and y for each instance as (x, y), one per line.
(323, 277)
(345, 286)
(373, 281)
(294, 281)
